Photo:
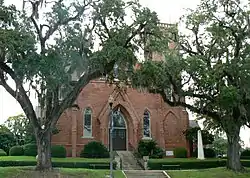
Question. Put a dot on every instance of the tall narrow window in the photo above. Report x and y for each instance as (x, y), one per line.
(87, 122)
(146, 124)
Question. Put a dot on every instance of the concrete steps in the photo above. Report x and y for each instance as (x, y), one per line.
(129, 162)
(144, 173)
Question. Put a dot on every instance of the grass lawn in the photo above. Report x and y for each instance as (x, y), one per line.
(30, 158)
(208, 173)
(20, 172)
(183, 159)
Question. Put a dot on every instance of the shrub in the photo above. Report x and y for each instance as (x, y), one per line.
(208, 153)
(245, 153)
(58, 151)
(7, 139)
(157, 153)
(2, 153)
(180, 152)
(94, 149)
(146, 147)
(16, 151)
(30, 150)
(149, 148)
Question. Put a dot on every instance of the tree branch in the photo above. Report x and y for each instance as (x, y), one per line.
(202, 111)
(22, 97)
(38, 31)
(71, 97)
(141, 26)
(6, 86)
(194, 95)
(187, 82)
(103, 22)
(198, 45)
(34, 88)
(66, 21)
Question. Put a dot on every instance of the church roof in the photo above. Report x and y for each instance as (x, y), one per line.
(193, 124)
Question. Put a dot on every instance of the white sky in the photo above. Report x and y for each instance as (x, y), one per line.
(169, 11)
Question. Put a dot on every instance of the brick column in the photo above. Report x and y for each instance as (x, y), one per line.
(161, 135)
(74, 131)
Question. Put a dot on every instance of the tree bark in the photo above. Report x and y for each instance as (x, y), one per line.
(233, 150)
(43, 140)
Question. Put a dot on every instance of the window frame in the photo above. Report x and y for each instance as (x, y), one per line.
(145, 137)
(91, 126)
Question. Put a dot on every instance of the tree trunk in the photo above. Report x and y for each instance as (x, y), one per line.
(44, 151)
(233, 150)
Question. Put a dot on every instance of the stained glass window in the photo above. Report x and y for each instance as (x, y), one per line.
(146, 124)
(118, 120)
(87, 130)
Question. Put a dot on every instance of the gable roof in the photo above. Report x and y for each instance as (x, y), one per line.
(193, 124)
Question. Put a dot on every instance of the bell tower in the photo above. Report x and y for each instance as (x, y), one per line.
(170, 31)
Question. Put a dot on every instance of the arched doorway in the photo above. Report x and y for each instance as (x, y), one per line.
(119, 131)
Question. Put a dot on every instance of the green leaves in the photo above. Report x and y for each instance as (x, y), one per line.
(48, 66)
(229, 97)
(212, 68)
(191, 135)
(18, 126)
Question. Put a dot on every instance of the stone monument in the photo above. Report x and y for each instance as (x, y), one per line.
(200, 146)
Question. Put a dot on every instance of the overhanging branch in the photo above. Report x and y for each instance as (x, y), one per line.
(71, 97)
(22, 97)
(197, 110)
(134, 33)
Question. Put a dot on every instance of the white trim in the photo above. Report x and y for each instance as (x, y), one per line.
(146, 138)
(87, 137)
(91, 135)
(124, 174)
(165, 173)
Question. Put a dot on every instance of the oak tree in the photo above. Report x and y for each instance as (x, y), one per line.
(47, 43)
(211, 69)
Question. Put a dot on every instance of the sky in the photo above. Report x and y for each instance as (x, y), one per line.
(169, 11)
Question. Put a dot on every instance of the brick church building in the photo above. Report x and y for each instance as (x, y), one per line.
(137, 115)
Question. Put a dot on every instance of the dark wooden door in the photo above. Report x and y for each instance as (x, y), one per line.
(119, 139)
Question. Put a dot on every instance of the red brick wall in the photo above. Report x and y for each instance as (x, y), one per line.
(167, 123)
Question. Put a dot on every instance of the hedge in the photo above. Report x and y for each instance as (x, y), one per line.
(180, 152)
(245, 157)
(16, 151)
(2, 153)
(87, 165)
(94, 149)
(192, 164)
(208, 153)
(245, 154)
(58, 151)
(30, 149)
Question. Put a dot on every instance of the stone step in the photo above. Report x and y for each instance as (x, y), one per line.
(146, 174)
(129, 162)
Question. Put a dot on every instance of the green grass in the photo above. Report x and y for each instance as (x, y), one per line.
(30, 158)
(181, 160)
(9, 172)
(208, 173)
(20, 172)
(91, 173)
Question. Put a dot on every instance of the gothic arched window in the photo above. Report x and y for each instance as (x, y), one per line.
(87, 123)
(146, 124)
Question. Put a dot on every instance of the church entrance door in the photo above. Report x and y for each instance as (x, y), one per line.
(119, 132)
